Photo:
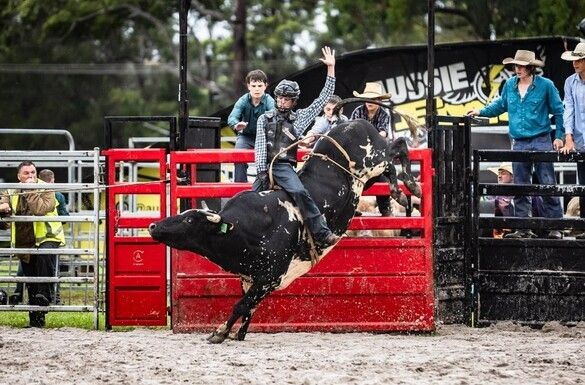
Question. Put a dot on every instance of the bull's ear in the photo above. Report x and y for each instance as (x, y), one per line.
(226, 227)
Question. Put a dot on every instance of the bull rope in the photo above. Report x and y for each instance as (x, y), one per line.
(321, 156)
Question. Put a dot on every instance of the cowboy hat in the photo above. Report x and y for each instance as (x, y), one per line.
(506, 166)
(373, 91)
(524, 58)
(576, 54)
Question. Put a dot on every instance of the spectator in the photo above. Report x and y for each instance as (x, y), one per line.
(503, 206)
(43, 235)
(574, 116)
(529, 99)
(380, 119)
(325, 122)
(278, 130)
(48, 176)
(244, 117)
(574, 210)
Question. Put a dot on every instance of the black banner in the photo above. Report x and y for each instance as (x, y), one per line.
(467, 75)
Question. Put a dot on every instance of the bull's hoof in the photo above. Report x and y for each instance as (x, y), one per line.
(410, 184)
(240, 336)
(414, 189)
(216, 338)
(402, 200)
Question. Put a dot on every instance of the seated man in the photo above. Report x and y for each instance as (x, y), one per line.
(277, 130)
(503, 205)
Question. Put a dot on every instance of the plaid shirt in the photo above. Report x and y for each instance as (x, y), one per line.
(304, 118)
(381, 121)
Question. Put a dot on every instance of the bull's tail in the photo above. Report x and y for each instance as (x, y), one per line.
(398, 149)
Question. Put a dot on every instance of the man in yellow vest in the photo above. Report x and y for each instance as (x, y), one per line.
(44, 234)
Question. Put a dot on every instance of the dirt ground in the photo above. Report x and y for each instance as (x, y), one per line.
(501, 354)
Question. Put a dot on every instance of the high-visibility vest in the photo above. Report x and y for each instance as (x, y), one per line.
(44, 231)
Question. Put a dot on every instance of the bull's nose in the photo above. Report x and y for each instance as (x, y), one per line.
(151, 227)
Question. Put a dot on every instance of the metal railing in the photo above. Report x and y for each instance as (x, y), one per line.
(76, 252)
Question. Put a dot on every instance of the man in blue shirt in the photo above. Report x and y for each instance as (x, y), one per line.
(574, 116)
(244, 117)
(529, 99)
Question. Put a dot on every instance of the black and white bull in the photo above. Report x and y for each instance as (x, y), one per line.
(261, 236)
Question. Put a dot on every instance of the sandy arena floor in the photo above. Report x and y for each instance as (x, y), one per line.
(502, 354)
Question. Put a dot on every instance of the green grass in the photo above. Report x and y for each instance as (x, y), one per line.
(53, 319)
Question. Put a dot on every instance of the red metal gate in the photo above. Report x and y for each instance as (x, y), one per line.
(136, 265)
(364, 284)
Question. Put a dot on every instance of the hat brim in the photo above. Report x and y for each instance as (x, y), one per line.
(511, 60)
(496, 170)
(569, 56)
(371, 95)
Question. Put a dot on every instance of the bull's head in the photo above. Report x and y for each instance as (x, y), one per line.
(188, 230)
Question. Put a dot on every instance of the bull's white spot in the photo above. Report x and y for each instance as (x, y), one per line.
(293, 212)
(298, 268)
(295, 270)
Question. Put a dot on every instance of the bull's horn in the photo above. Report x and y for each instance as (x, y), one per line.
(204, 206)
(215, 218)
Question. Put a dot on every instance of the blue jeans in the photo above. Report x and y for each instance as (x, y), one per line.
(243, 142)
(286, 177)
(545, 173)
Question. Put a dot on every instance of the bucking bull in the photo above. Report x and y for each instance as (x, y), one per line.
(261, 236)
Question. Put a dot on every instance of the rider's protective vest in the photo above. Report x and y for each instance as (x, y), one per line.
(279, 135)
(44, 231)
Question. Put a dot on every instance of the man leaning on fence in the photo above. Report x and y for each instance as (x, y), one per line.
(529, 99)
(44, 234)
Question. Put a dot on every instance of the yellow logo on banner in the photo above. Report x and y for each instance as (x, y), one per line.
(457, 94)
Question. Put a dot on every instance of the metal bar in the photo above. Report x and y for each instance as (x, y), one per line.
(525, 156)
(59, 251)
(96, 238)
(48, 186)
(67, 308)
(42, 131)
(532, 223)
(430, 64)
(44, 155)
(567, 190)
(47, 279)
(56, 218)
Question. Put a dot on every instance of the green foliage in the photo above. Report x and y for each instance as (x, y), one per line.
(68, 63)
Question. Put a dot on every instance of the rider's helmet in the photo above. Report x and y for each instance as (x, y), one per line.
(287, 89)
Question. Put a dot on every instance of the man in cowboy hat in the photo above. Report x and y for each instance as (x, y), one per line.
(503, 206)
(529, 99)
(574, 116)
(380, 119)
(371, 112)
